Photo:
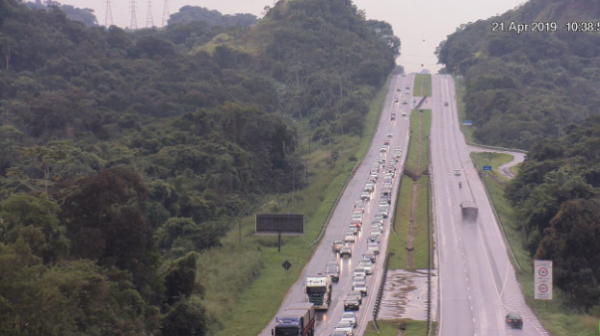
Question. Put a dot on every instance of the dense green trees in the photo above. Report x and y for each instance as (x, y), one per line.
(523, 88)
(557, 193)
(125, 154)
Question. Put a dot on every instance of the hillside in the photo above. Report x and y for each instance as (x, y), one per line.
(523, 88)
(126, 157)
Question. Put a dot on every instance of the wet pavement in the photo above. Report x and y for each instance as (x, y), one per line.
(405, 295)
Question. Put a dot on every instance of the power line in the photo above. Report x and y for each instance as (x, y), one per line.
(108, 17)
(165, 13)
(149, 18)
(133, 23)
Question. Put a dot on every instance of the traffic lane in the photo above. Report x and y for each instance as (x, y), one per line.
(336, 226)
(455, 302)
(331, 318)
(498, 262)
(360, 246)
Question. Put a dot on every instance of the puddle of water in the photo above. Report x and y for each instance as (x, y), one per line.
(405, 295)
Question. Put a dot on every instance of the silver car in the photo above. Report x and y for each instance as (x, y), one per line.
(350, 237)
(373, 247)
(350, 317)
(345, 326)
(358, 279)
(367, 265)
(359, 271)
(362, 287)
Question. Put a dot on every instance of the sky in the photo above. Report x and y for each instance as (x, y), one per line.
(420, 25)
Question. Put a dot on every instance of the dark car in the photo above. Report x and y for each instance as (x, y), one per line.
(351, 303)
(346, 252)
(514, 320)
(334, 273)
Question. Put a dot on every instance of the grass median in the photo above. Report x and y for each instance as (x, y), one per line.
(422, 86)
(391, 327)
(555, 315)
(245, 283)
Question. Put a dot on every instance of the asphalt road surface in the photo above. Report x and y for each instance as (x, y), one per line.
(477, 281)
(338, 225)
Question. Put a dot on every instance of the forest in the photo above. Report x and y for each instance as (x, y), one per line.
(524, 88)
(538, 91)
(124, 155)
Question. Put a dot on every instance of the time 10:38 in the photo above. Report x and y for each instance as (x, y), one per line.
(583, 26)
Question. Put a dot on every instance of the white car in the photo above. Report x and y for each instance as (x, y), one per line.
(350, 317)
(365, 196)
(350, 238)
(358, 279)
(382, 149)
(359, 271)
(362, 287)
(373, 247)
(367, 265)
(456, 172)
(345, 326)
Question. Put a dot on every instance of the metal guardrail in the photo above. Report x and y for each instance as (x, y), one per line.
(381, 287)
(337, 200)
(506, 241)
(497, 148)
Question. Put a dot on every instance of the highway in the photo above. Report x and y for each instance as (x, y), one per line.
(478, 286)
(340, 220)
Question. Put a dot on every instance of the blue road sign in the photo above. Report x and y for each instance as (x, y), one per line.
(467, 122)
(487, 168)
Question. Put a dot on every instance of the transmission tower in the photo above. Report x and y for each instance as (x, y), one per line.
(108, 18)
(149, 18)
(165, 13)
(133, 24)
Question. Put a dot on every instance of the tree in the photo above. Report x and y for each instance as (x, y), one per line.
(46, 158)
(186, 318)
(180, 280)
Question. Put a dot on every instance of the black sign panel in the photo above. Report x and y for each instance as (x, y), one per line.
(286, 224)
(286, 265)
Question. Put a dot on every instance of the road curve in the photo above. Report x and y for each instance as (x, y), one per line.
(342, 215)
(505, 168)
(478, 286)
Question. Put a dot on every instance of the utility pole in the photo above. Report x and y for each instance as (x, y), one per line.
(149, 18)
(166, 14)
(108, 17)
(133, 23)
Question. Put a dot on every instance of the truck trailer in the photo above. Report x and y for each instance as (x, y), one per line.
(297, 319)
(318, 291)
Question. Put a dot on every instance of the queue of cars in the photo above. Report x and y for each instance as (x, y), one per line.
(374, 233)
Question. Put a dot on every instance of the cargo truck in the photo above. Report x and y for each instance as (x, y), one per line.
(318, 291)
(297, 319)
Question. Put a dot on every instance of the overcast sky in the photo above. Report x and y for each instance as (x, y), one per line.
(421, 25)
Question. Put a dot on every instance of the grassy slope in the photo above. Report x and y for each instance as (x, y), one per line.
(256, 266)
(462, 114)
(397, 242)
(493, 159)
(558, 319)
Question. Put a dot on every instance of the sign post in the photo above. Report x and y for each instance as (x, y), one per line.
(543, 279)
(487, 168)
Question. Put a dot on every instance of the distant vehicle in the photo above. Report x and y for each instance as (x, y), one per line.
(354, 229)
(371, 255)
(333, 263)
(350, 238)
(408, 87)
(405, 103)
(296, 319)
(469, 211)
(365, 196)
(350, 317)
(384, 212)
(367, 265)
(351, 303)
(386, 142)
(398, 90)
(334, 273)
(337, 246)
(456, 172)
(390, 135)
(345, 326)
(514, 320)
(373, 247)
(395, 101)
(393, 116)
(356, 293)
(382, 149)
(445, 103)
(362, 287)
(359, 271)
(374, 239)
(339, 333)
(346, 251)
(318, 291)
(404, 113)
(358, 279)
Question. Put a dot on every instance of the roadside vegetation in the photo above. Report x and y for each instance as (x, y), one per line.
(513, 95)
(462, 112)
(132, 161)
(558, 316)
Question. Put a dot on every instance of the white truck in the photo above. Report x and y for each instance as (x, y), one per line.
(318, 291)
